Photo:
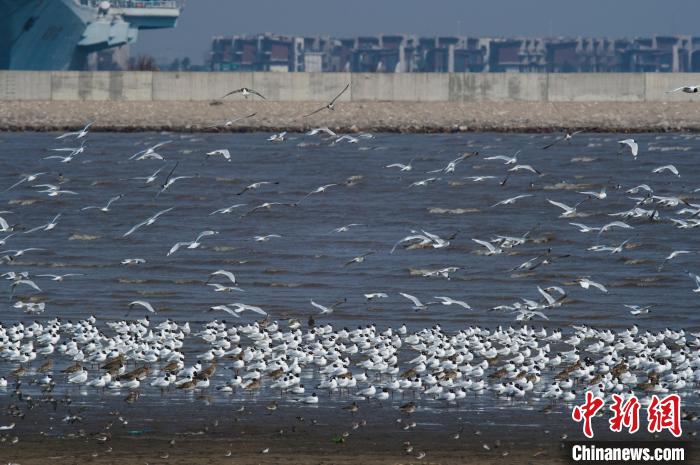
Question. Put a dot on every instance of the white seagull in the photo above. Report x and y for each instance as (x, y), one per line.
(330, 105)
(25, 178)
(227, 210)
(417, 304)
(670, 168)
(150, 152)
(633, 146)
(587, 283)
(78, 134)
(511, 200)
(492, 250)
(143, 304)
(450, 301)
(685, 89)
(148, 222)
(221, 152)
(104, 209)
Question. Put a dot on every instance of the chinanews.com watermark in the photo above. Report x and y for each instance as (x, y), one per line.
(661, 414)
(628, 452)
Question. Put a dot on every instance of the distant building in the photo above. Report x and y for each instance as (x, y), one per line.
(408, 53)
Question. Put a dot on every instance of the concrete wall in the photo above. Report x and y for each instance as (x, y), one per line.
(417, 87)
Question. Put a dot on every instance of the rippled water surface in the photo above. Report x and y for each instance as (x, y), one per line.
(309, 260)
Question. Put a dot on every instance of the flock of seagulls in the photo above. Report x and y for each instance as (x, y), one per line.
(248, 349)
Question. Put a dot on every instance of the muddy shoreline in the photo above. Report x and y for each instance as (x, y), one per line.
(417, 117)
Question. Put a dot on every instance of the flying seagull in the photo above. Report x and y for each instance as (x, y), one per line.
(148, 222)
(26, 178)
(326, 310)
(233, 121)
(231, 277)
(150, 152)
(193, 244)
(221, 152)
(417, 304)
(686, 89)
(633, 146)
(78, 134)
(104, 209)
(245, 92)
(511, 200)
(331, 105)
(566, 138)
(169, 181)
(143, 304)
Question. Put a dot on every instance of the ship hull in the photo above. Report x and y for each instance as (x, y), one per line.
(59, 34)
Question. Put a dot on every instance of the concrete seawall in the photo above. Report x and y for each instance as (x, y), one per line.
(133, 101)
(296, 87)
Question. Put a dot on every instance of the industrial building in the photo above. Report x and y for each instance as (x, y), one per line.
(408, 53)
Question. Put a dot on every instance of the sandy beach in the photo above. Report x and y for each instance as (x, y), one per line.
(418, 117)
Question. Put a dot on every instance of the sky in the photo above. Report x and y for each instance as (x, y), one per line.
(203, 19)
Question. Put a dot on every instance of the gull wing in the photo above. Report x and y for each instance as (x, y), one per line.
(413, 299)
(341, 93)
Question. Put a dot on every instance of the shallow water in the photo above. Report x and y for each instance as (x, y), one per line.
(309, 260)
